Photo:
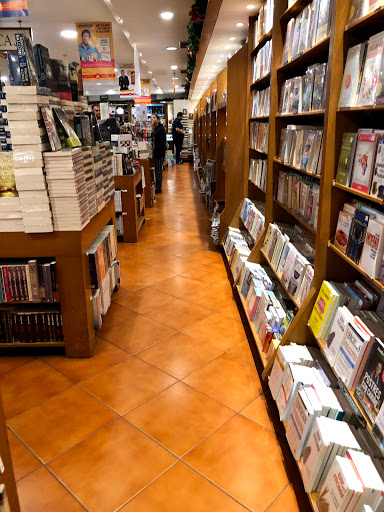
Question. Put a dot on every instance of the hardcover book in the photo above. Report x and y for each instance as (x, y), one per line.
(43, 66)
(323, 20)
(346, 159)
(50, 126)
(357, 236)
(324, 305)
(377, 187)
(60, 73)
(342, 231)
(336, 335)
(26, 59)
(62, 122)
(371, 71)
(364, 160)
(351, 76)
(13, 68)
(372, 255)
(318, 87)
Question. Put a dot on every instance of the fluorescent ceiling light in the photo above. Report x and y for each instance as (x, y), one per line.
(98, 83)
(69, 34)
(251, 6)
(239, 24)
(167, 15)
(232, 38)
(171, 48)
(173, 67)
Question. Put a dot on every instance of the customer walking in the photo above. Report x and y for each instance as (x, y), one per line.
(159, 141)
(178, 136)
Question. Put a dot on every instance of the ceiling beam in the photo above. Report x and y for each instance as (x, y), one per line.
(211, 15)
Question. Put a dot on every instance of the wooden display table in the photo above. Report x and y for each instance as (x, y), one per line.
(148, 164)
(131, 185)
(69, 248)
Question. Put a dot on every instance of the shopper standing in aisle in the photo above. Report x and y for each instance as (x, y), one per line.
(178, 136)
(159, 141)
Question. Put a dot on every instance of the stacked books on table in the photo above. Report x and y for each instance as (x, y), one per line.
(264, 21)
(326, 433)
(90, 181)
(300, 194)
(261, 64)
(310, 27)
(259, 136)
(253, 216)
(305, 93)
(301, 147)
(261, 103)
(258, 169)
(291, 256)
(11, 215)
(67, 189)
(29, 140)
(30, 326)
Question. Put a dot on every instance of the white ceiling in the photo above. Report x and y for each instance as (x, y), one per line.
(220, 47)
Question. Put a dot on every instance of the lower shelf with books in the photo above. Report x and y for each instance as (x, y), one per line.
(289, 166)
(297, 217)
(279, 278)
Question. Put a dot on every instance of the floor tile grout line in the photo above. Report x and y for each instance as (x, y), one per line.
(280, 493)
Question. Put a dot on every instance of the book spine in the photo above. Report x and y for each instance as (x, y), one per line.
(47, 282)
(12, 284)
(23, 61)
(40, 65)
(55, 291)
(35, 285)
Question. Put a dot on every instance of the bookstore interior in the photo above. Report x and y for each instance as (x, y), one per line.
(219, 346)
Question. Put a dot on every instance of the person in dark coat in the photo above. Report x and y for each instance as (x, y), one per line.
(178, 136)
(159, 141)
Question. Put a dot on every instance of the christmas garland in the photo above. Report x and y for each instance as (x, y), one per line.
(195, 28)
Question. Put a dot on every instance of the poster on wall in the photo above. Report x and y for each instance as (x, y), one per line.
(96, 50)
(126, 77)
(10, 8)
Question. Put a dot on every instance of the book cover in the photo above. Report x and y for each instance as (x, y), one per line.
(351, 76)
(337, 332)
(308, 89)
(307, 150)
(62, 121)
(357, 236)
(357, 10)
(50, 126)
(296, 37)
(346, 158)
(324, 302)
(43, 66)
(306, 285)
(288, 41)
(367, 94)
(364, 160)
(61, 79)
(14, 68)
(318, 87)
(304, 32)
(370, 389)
(342, 231)
(377, 187)
(26, 59)
(323, 20)
(372, 254)
(296, 278)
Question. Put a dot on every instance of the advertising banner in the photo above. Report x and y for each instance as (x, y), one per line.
(10, 8)
(127, 80)
(96, 50)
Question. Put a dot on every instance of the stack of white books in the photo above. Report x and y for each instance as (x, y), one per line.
(90, 181)
(98, 170)
(67, 189)
(11, 216)
(29, 140)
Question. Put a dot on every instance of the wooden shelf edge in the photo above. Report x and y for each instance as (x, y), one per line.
(258, 151)
(296, 216)
(350, 190)
(359, 23)
(261, 81)
(266, 37)
(274, 271)
(308, 173)
(375, 282)
(324, 42)
(263, 355)
(36, 345)
(256, 186)
(294, 10)
(303, 114)
(259, 118)
(363, 108)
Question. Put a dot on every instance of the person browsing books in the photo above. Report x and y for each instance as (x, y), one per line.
(86, 49)
(159, 141)
(178, 136)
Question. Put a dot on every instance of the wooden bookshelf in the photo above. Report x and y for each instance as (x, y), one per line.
(297, 217)
(267, 37)
(297, 169)
(69, 249)
(261, 83)
(368, 23)
(355, 192)
(292, 11)
(264, 153)
(310, 113)
(316, 54)
(279, 278)
(251, 183)
(130, 186)
(260, 118)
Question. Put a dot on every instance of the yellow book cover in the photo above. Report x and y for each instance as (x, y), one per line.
(323, 303)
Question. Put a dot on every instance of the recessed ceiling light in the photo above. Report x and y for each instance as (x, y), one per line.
(98, 83)
(221, 56)
(173, 67)
(218, 61)
(150, 72)
(227, 47)
(115, 70)
(251, 6)
(140, 54)
(175, 77)
(167, 15)
(239, 24)
(171, 48)
(121, 20)
(69, 34)
(232, 38)
(144, 61)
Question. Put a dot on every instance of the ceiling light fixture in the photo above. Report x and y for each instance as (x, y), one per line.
(98, 83)
(144, 61)
(227, 47)
(221, 56)
(239, 24)
(167, 15)
(232, 38)
(251, 6)
(121, 21)
(173, 67)
(115, 70)
(171, 48)
(69, 34)
(218, 61)
(140, 54)
(150, 72)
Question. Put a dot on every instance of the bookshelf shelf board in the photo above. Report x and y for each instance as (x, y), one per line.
(258, 188)
(266, 37)
(364, 108)
(270, 264)
(297, 217)
(375, 282)
(292, 11)
(31, 303)
(371, 21)
(262, 83)
(308, 173)
(258, 151)
(368, 197)
(222, 107)
(303, 114)
(262, 354)
(141, 222)
(259, 118)
(316, 52)
(35, 345)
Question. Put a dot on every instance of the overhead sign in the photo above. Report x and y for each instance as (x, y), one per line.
(7, 38)
(142, 100)
(127, 81)
(10, 8)
(146, 87)
(96, 51)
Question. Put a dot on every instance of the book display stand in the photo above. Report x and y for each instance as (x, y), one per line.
(133, 210)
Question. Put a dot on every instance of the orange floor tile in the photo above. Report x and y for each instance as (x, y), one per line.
(169, 414)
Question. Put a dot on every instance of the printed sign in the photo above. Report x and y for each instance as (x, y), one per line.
(10, 8)
(96, 50)
(126, 76)
(7, 38)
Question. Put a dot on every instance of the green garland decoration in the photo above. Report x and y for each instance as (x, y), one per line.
(195, 29)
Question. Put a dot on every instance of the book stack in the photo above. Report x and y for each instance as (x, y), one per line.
(261, 103)
(291, 257)
(305, 93)
(261, 65)
(30, 326)
(11, 215)
(300, 194)
(117, 165)
(98, 171)
(118, 201)
(90, 181)
(30, 281)
(360, 235)
(237, 247)
(258, 172)
(264, 21)
(259, 136)
(310, 27)
(363, 78)
(301, 147)
(29, 140)
(67, 189)
(253, 216)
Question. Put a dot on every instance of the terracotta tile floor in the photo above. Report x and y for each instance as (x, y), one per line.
(169, 415)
